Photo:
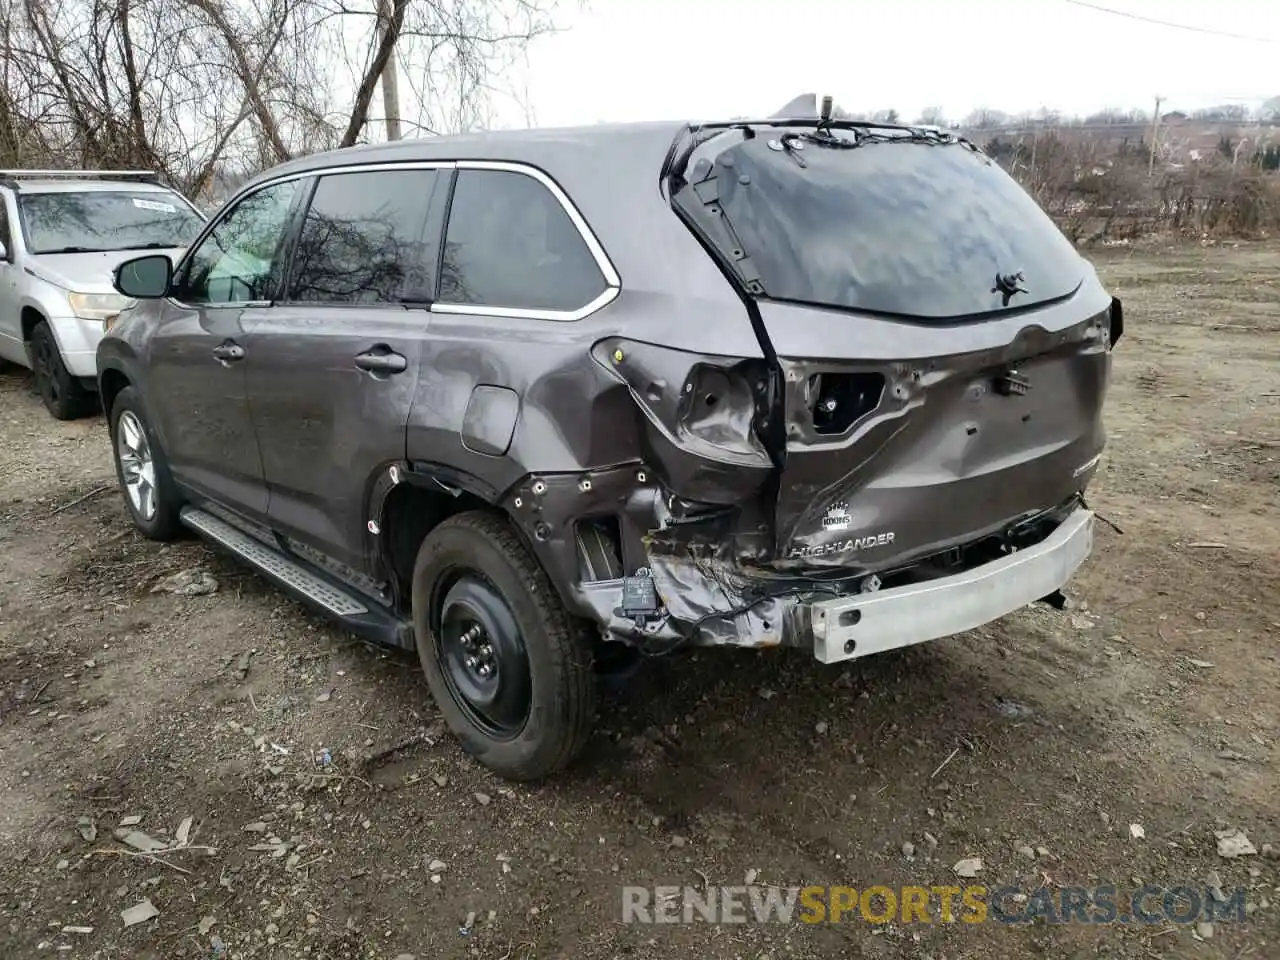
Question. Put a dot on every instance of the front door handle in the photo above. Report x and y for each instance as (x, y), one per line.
(381, 360)
(228, 352)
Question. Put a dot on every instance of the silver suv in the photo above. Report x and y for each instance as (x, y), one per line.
(62, 233)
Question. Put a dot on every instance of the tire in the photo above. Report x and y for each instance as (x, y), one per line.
(128, 417)
(474, 565)
(62, 394)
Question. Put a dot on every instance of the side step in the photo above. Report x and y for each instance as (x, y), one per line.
(303, 581)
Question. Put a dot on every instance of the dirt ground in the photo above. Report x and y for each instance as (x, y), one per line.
(1154, 700)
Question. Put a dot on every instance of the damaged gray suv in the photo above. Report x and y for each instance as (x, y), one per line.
(526, 401)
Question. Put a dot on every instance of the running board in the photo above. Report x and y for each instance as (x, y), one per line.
(303, 581)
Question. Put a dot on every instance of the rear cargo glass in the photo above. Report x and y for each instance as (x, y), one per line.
(902, 228)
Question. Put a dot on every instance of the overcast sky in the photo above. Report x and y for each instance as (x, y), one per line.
(680, 59)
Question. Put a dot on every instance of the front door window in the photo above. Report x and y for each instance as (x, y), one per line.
(240, 260)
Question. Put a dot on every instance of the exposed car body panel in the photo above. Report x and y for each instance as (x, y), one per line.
(809, 332)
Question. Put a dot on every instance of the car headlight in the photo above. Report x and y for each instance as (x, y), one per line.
(98, 306)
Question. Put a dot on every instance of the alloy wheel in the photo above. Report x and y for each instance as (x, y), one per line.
(137, 467)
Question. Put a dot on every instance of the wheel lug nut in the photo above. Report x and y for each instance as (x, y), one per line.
(484, 670)
(486, 651)
(472, 663)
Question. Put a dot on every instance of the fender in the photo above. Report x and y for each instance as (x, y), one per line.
(116, 357)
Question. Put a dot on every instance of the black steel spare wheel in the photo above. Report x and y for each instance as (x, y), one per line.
(510, 669)
(483, 657)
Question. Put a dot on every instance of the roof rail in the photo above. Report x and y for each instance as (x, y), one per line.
(13, 178)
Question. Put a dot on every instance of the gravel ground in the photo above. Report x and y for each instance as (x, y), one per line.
(1033, 744)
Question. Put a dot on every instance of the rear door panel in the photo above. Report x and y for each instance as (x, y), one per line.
(323, 424)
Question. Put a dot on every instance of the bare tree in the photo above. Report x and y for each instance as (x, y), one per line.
(1224, 113)
(206, 90)
(1047, 117)
(932, 117)
(985, 118)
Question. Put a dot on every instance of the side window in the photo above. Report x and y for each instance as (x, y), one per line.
(510, 243)
(362, 240)
(5, 236)
(240, 260)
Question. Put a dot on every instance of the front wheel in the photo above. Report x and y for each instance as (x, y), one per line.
(143, 469)
(508, 666)
(62, 394)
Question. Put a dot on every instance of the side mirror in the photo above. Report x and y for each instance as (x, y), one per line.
(144, 278)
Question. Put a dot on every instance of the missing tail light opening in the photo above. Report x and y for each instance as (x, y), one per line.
(838, 400)
(719, 408)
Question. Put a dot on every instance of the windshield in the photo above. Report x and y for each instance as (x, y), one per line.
(898, 225)
(106, 220)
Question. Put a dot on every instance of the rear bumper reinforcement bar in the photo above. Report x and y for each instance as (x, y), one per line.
(845, 628)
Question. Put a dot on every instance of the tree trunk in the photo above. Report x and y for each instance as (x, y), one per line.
(364, 93)
(390, 82)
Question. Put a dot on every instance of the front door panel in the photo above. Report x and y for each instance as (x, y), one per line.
(197, 388)
(201, 406)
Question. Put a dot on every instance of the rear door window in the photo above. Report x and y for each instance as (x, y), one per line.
(910, 228)
(511, 244)
(363, 239)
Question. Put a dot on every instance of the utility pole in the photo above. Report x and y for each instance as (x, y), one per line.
(390, 82)
(1155, 132)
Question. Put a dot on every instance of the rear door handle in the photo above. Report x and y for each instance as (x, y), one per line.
(381, 359)
(228, 352)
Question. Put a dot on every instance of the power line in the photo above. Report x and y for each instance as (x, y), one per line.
(1169, 23)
